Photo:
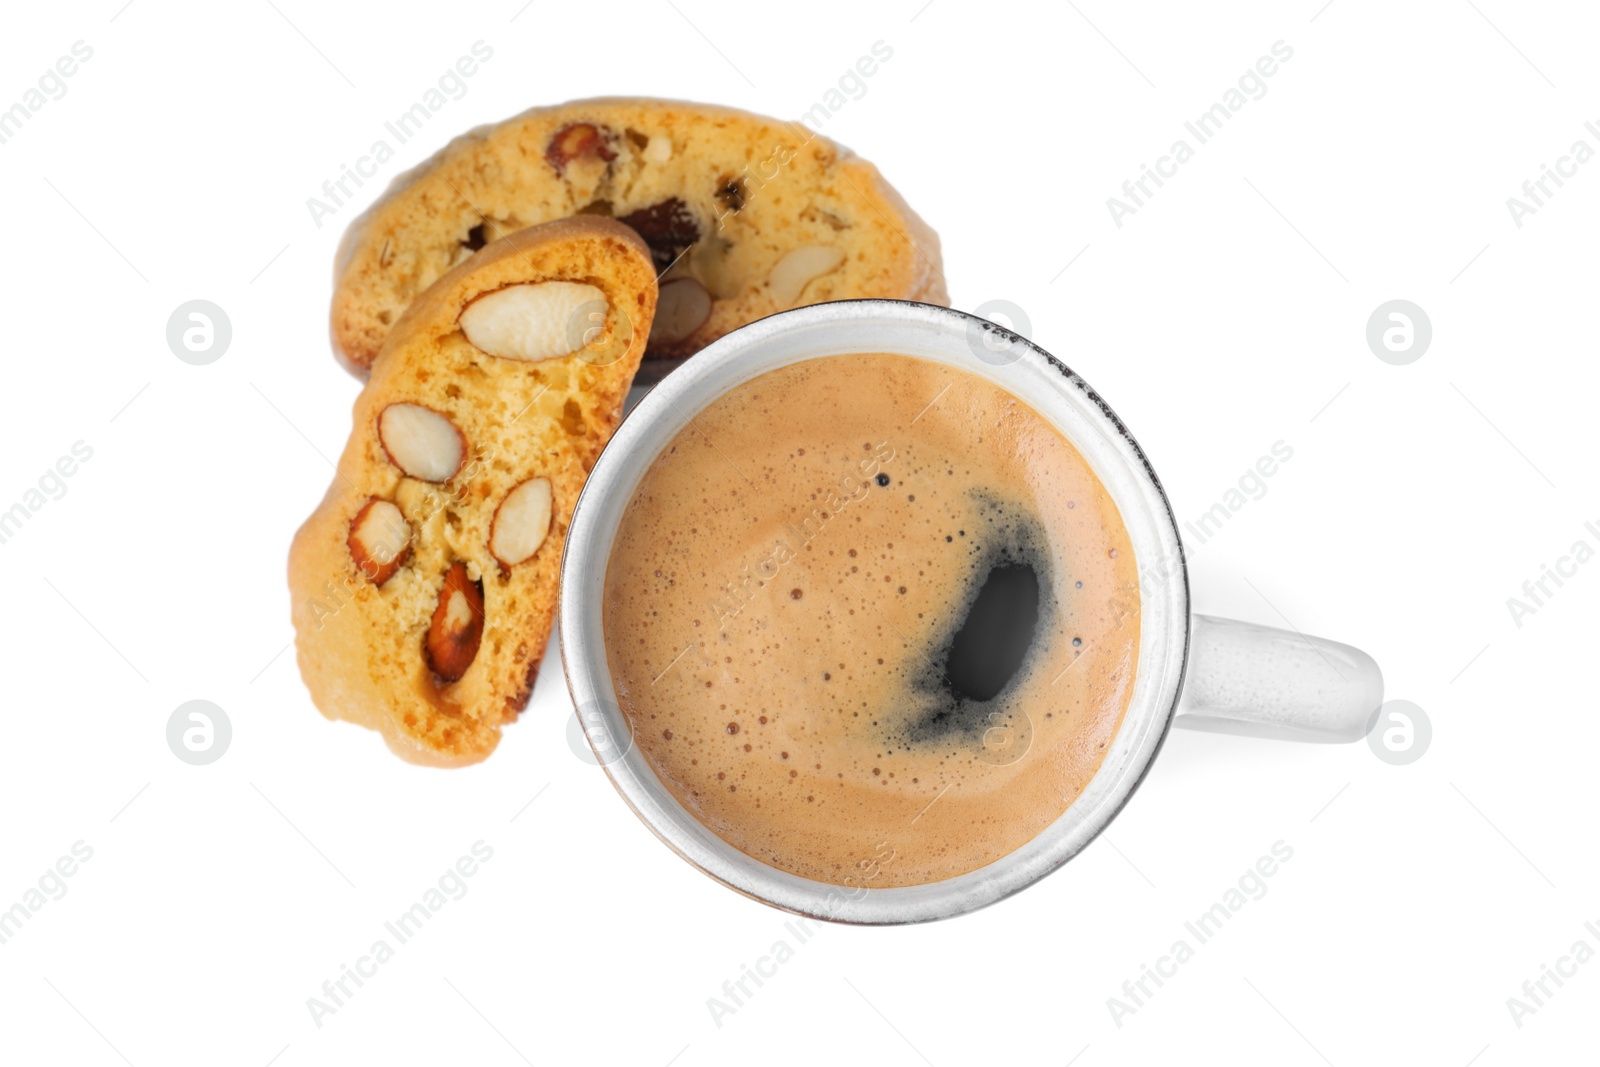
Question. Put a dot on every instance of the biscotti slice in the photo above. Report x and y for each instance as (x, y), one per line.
(425, 583)
(745, 216)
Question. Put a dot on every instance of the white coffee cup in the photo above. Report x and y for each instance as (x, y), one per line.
(1193, 670)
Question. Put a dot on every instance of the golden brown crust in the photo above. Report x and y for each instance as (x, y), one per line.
(793, 189)
(362, 647)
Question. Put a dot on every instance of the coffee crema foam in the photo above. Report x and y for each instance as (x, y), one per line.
(872, 620)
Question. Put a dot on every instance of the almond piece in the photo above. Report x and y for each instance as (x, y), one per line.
(421, 442)
(521, 522)
(380, 540)
(579, 141)
(680, 309)
(539, 320)
(795, 270)
(658, 149)
(457, 625)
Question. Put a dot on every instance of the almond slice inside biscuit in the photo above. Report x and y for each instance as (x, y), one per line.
(522, 522)
(421, 442)
(456, 628)
(680, 309)
(796, 270)
(380, 540)
(539, 320)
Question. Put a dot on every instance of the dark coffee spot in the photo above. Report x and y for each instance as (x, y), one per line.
(996, 634)
(981, 650)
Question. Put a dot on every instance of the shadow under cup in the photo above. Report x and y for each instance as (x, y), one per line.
(982, 349)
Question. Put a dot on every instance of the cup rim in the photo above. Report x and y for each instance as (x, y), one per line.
(834, 328)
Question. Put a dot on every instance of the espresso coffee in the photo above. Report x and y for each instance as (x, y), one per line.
(872, 620)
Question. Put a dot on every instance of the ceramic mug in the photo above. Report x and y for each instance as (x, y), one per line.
(1194, 670)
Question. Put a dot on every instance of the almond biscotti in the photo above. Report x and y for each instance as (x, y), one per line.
(744, 216)
(425, 583)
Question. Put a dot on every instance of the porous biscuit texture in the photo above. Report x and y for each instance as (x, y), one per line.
(745, 216)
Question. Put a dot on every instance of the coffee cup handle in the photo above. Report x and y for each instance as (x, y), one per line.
(1261, 682)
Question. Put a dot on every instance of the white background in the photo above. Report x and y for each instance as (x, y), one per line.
(1226, 315)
